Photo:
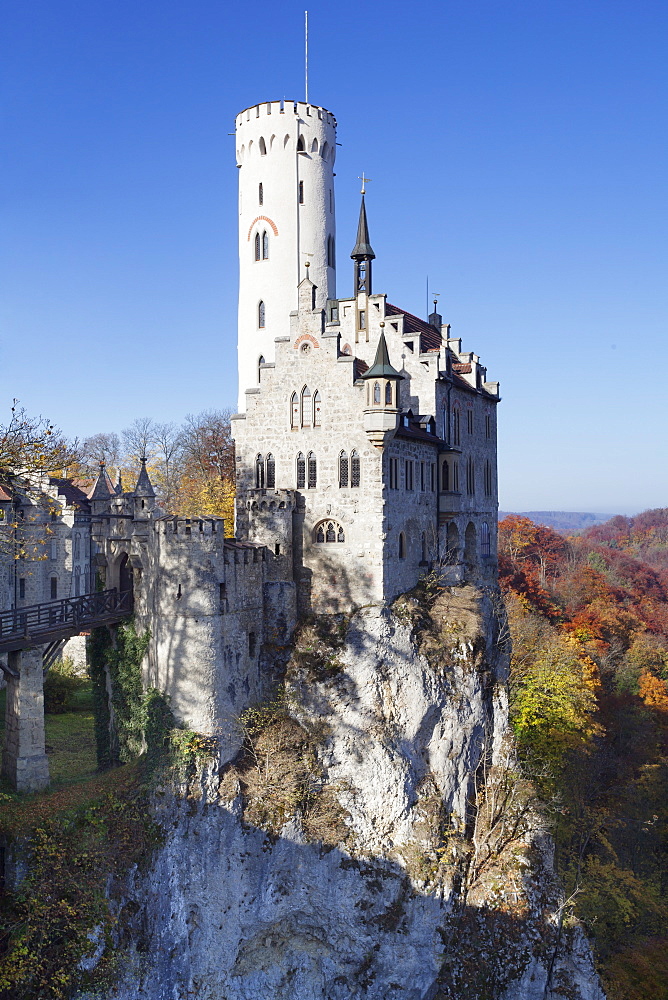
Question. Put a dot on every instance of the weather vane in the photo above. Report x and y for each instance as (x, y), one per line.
(365, 181)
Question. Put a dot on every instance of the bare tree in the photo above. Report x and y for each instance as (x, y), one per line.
(139, 440)
(101, 448)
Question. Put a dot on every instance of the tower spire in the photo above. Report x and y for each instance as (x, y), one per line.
(363, 254)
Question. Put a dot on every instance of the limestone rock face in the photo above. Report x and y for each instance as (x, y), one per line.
(414, 898)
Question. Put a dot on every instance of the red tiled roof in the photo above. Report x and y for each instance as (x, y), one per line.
(463, 369)
(430, 337)
(4, 495)
(359, 367)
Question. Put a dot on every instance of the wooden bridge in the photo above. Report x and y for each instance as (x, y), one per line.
(56, 621)
(32, 638)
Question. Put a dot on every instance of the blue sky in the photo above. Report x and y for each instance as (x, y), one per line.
(518, 156)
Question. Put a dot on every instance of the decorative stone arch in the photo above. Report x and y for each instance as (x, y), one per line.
(452, 543)
(262, 218)
(306, 338)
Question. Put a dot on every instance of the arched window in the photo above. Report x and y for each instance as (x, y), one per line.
(470, 477)
(261, 315)
(301, 146)
(294, 410)
(376, 393)
(257, 246)
(485, 540)
(259, 472)
(354, 469)
(260, 194)
(271, 472)
(402, 545)
(445, 477)
(263, 146)
(316, 409)
(286, 140)
(324, 150)
(314, 146)
(388, 394)
(312, 471)
(455, 477)
(488, 478)
(301, 471)
(343, 470)
(328, 532)
(456, 426)
(260, 362)
(265, 246)
(306, 406)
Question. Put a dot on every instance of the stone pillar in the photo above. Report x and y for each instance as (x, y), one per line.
(24, 761)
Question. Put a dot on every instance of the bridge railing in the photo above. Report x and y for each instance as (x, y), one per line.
(66, 614)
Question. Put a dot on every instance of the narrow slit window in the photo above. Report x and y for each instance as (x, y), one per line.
(260, 194)
(294, 410)
(261, 316)
(260, 362)
(265, 246)
(257, 246)
(306, 406)
(259, 472)
(301, 192)
(376, 393)
(271, 472)
(388, 394)
(343, 470)
(312, 471)
(316, 409)
(301, 471)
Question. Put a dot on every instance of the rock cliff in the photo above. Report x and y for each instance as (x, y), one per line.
(374, 840)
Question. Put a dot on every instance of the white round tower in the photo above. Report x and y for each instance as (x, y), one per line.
(285, 155)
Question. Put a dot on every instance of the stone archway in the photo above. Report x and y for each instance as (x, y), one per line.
(470, 546)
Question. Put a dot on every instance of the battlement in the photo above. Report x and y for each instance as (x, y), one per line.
(264, 500)
(190, 526)
(299, 108)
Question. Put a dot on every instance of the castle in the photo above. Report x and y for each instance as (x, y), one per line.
(365, 449)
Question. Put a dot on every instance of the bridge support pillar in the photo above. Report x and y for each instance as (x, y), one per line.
(24, 760)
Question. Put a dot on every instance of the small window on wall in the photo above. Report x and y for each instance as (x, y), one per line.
(316, 409)
(260, 362)
(301, 192)
(354, 469)
(22, 588)
(257, 246)
(54, 588)
(376, 393)
(306, 406)
(312, 471)
(271, 472)
(260, 194)
(488, 425)
(388, 394)
(445, 477)
(456, 426)
(261, 316)
(394, 473)
(259, 472)
(294, 410)
(53, 549)
(265, 246)
(488, 478)
(343, 470)
(402, 545)
(408, 473)
(470, 477)
(328, 532)
(301, 471)
(485, 540)
(469, 420)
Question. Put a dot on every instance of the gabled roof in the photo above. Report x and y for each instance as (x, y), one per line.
(4, 496)
(74, 495)
(430, 337)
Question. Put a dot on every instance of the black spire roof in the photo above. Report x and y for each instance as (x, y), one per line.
(144, 487)
(381, 368)
(362, 249)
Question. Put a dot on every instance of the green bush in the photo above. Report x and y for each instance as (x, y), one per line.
(60, 686)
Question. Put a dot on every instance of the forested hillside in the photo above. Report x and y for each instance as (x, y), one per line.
(589, 704)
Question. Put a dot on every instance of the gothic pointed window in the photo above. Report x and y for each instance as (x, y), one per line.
(257, 246)
(261, 315)
(265, 246)
(388, 394)
(260, 362)
(488, 478)
(470, 477)
(343, 470)
(301, 471)
(263, 146)
(316, 409)
(340, 536)
(300, 144)
(271, 472)
(320, 534)
(259, 472)
(485, 540)
(306, 406)
(294, 410)
(354, 469)
(376, 393)
(260, 194)
(445, 477)
(456, 426)
(455, 477)
(330, 534)
(312, 471)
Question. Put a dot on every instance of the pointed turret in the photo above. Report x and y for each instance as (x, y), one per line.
(381, 367)
(100, 489)
(144, 487)
(363, 254)
(382, 389)
(362, 249)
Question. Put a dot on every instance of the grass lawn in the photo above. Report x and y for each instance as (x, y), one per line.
(70, 740)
